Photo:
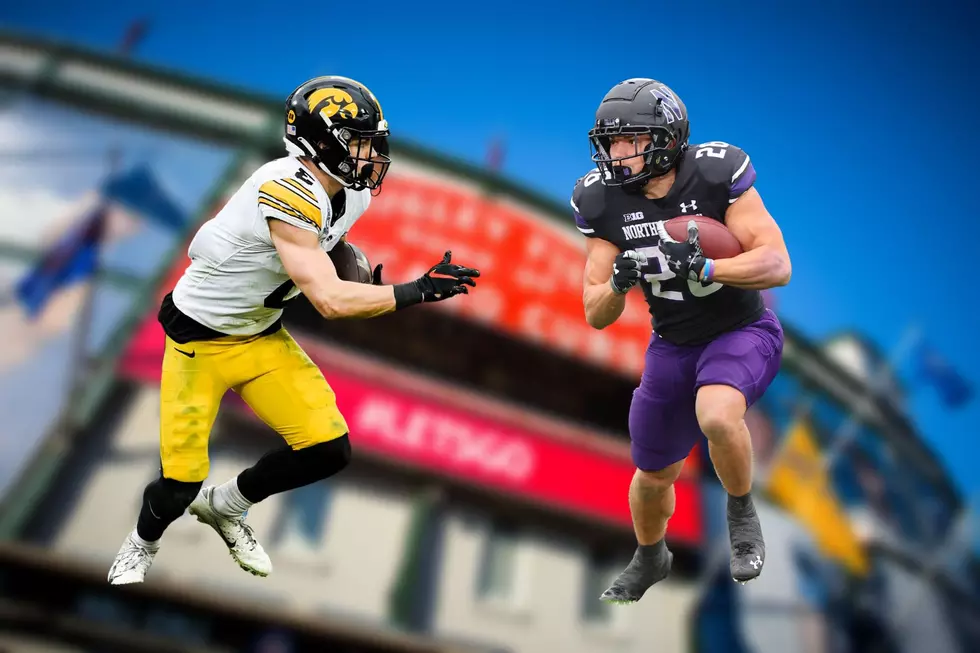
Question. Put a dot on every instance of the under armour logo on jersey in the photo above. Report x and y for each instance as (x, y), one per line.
(756, 563)
(669, 102)
(690, 206)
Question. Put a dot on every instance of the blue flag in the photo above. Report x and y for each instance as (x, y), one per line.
(931, 366)
(138, 190)
(71, 259)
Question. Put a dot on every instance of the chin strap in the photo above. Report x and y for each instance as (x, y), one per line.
(295, 150)
(324, 170)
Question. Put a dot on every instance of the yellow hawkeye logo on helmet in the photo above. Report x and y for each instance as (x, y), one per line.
(339, 102)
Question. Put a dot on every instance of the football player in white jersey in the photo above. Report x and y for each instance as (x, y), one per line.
(223, 322)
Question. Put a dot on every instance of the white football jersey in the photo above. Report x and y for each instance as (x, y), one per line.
(236, 283)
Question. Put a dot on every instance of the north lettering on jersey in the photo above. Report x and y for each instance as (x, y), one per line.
(710, 177)
(642, 230)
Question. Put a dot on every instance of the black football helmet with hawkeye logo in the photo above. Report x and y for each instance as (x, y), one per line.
(325, 116)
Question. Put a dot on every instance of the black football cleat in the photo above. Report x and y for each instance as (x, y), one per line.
(745, 535)
(650, 565)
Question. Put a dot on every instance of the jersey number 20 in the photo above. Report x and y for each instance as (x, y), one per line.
(714, 149)
(665, 274)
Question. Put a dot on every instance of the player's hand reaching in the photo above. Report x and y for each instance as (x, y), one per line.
(685, 258)
(443, 280)
(626, 271)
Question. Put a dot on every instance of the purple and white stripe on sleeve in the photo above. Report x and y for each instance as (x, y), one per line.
(742, 180)
(580, 222)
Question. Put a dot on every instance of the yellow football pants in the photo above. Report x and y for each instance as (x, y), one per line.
(272, 374)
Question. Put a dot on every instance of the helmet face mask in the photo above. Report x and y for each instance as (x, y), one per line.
(338, 123)
(633, 109)
(655, 153)
(372, 149)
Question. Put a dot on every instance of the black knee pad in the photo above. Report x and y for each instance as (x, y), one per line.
(168, 498)
(327, 458)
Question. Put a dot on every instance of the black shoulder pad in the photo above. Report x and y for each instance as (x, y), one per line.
(589, 196)
(722, 164)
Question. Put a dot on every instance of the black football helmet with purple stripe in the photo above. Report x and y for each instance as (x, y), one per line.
(639, 106)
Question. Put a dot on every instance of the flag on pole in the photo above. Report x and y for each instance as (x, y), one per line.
(495, 155)
(138, 190)
(72, 259)
(133, 36)
(799, 482)
(932, 367)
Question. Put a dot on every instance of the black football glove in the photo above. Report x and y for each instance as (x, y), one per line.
(685, 259)
(626, 271)
(376, 275)
(442, 281)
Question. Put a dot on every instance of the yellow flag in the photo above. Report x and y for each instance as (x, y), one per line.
(799, 483)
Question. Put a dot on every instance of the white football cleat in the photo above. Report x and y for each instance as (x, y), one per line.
(131, 563)
(236, 534)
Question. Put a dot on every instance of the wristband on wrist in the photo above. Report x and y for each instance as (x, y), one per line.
(407, 294)
(708, 271)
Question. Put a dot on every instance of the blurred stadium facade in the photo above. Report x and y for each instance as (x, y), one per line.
(486, 509)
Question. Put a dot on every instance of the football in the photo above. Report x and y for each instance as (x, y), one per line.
(351, 263)
(716, 240)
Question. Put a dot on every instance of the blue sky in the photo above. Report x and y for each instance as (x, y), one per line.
(859, 121)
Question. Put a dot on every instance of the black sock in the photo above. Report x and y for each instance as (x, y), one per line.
(741, 505)
(148, 526)
(164, 501)
(652, 551)
(287, 468)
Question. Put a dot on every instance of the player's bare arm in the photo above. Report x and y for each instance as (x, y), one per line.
(765, 262)
(603, 305)
(314, 274)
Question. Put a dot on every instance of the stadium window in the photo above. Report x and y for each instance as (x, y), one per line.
(830, 418)
(844, 478)
(499, 575)
(885, 480)
(931, 513)
(781, 399)
(301, 525)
